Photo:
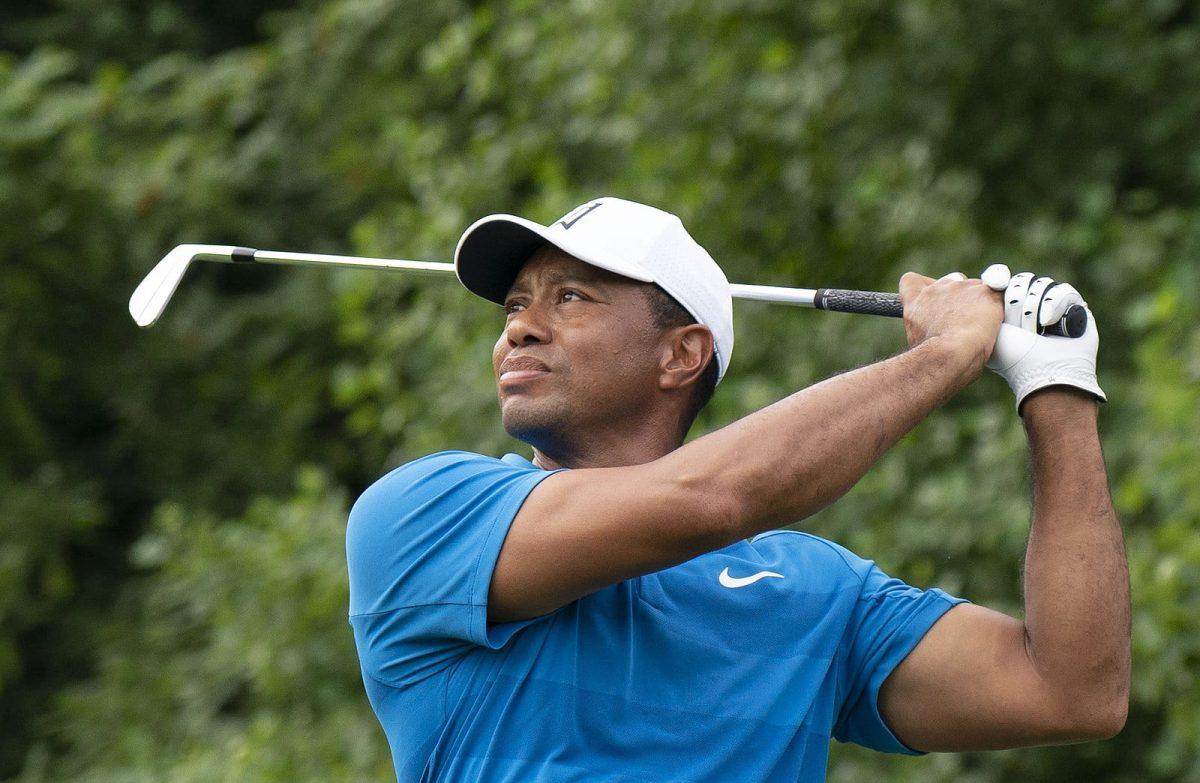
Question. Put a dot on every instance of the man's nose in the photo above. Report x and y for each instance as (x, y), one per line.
(527, 326)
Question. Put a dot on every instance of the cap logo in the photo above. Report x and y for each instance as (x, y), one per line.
(577, 214)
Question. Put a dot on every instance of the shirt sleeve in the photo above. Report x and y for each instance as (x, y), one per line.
(889, 619)
(421, 545)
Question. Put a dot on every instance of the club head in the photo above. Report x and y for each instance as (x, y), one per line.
(151, 296)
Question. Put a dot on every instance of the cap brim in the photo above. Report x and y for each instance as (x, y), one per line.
(493, 249)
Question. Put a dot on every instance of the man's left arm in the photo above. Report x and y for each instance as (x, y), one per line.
(981, 680)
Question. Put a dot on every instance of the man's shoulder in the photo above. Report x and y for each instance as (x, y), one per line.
(441, 498)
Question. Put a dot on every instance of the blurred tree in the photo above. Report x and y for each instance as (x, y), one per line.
(133, 32)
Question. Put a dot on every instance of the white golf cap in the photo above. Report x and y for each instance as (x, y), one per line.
(624, 237)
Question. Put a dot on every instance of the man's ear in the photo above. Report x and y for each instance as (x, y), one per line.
(686, 352)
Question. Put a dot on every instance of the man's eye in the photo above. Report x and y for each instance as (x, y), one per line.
(512, 307)
(575, 294)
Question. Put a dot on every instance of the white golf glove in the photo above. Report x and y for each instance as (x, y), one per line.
(1029, 361)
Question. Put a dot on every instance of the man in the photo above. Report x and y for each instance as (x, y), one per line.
(624, 607)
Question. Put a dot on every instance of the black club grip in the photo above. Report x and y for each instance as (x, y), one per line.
(866, 302)
(1072, 324)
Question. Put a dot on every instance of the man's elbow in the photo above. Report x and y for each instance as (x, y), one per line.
(1100, 717)
(1094, 704)
(1104, 721)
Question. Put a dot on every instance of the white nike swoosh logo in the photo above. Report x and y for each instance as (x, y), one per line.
(741, 581)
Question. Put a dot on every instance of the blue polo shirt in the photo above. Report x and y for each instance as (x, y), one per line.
(739, 664)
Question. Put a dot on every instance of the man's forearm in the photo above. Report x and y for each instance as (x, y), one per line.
(819, 442)
(1076, 575)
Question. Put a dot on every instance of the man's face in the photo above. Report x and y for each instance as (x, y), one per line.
(579, 351)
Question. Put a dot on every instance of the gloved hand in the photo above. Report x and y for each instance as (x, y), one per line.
(1029, 361)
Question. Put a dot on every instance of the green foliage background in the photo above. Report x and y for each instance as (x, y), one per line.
(172, 502)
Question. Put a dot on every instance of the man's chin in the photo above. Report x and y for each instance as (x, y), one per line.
(530, 423)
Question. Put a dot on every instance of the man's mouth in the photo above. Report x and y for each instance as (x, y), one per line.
(521, 375)
(516, 369)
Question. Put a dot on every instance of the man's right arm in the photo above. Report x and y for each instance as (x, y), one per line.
(581, 530)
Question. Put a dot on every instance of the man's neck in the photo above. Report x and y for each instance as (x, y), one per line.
(601, 452)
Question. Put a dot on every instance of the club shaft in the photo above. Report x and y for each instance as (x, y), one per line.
(800, 297)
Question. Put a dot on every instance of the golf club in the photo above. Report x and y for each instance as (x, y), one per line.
(151, 296)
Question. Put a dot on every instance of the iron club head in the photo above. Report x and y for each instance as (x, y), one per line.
(151, 296)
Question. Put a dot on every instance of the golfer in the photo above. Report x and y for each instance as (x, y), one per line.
(624, 607)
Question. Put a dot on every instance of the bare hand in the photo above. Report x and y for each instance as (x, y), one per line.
(964, 313)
